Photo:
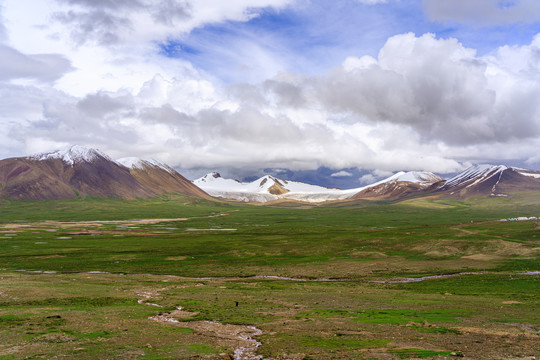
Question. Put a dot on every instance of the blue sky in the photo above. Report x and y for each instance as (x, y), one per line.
(337, 93)
(317, 35)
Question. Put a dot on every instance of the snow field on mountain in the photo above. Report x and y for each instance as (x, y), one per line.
(260, 189)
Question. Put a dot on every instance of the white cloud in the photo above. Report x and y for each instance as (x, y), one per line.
(113, 22)
(417, 106)
(440, 89)
(115, 44)
(372, 2)
(341, 173)
(3, 30)
(43, 67)
(367, 179)
(423, 103)
(382, 173)
(484, 12)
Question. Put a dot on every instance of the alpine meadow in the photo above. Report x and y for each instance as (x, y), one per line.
(269, 179)
(181, 277)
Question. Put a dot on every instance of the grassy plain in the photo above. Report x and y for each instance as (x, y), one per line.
(86, 279)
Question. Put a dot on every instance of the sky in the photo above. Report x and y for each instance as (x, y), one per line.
(338, 93)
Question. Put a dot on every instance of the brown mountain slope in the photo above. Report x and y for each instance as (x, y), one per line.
(23, 179)
(396, 190)
(160, 178)
(487, 180)
(79, 171)
(401, 185)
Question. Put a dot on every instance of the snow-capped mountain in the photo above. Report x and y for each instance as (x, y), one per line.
(72, 155)
(491, 180)
(138, 163)
(264, 189)
(269, 188)
(79, 171)
(400, 185)
(417, 177)
(474, 175)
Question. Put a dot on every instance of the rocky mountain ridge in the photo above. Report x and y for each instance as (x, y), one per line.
(477, 180)
(269, 188)
(78, 171)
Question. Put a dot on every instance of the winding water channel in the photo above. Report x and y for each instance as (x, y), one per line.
(396, 280)
(242, 336)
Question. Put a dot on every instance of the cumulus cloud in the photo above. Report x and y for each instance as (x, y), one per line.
(341, 173)
(3, 30)
(97, 26)
(367, 179)
(372, 2)
(484, 12)
(439, 88)
(170, 12)
(107, 4)
(245, 137)
(43, 67)
(423, 104)
(102, 103)
(375, 175)
(285, 93)
(101, 22)
(108, 22)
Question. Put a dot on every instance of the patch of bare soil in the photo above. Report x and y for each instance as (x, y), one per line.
(116, 222)
(49, 256)
(508, 332)
(9, 350)
(113, 232)
(481, 257)
(371, 254)
(82, 227)
(465, 231)
(176, 258)
(55, 338)
(484, 251)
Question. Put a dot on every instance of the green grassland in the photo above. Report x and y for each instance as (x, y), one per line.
(83, 278)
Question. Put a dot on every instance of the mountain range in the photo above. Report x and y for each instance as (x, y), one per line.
(476, 181)
(78, 171)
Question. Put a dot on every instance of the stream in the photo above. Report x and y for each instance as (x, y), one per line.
(396, 280)
(435, 277)
(245, 346)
